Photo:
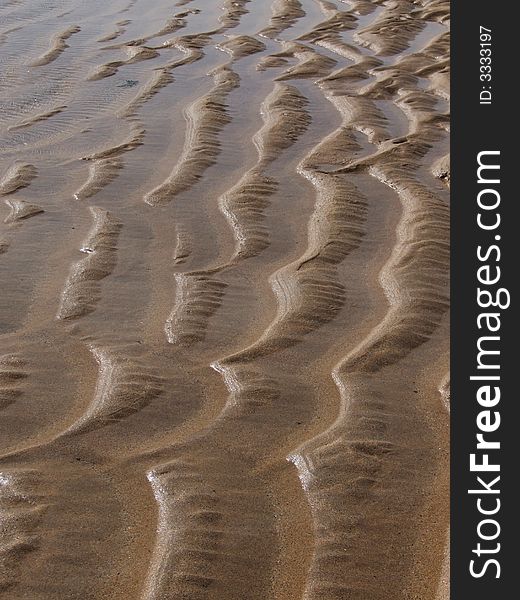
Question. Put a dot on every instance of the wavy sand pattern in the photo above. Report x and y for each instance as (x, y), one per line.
(224, 263)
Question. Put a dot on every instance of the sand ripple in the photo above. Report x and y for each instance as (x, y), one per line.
(224, 263)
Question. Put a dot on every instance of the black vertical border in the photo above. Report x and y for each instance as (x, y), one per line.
(475, 128)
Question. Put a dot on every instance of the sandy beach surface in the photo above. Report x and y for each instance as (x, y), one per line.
(224, 299)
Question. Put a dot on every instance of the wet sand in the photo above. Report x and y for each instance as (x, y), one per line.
(224, 262)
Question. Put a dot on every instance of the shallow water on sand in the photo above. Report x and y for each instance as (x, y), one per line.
(224, 233)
